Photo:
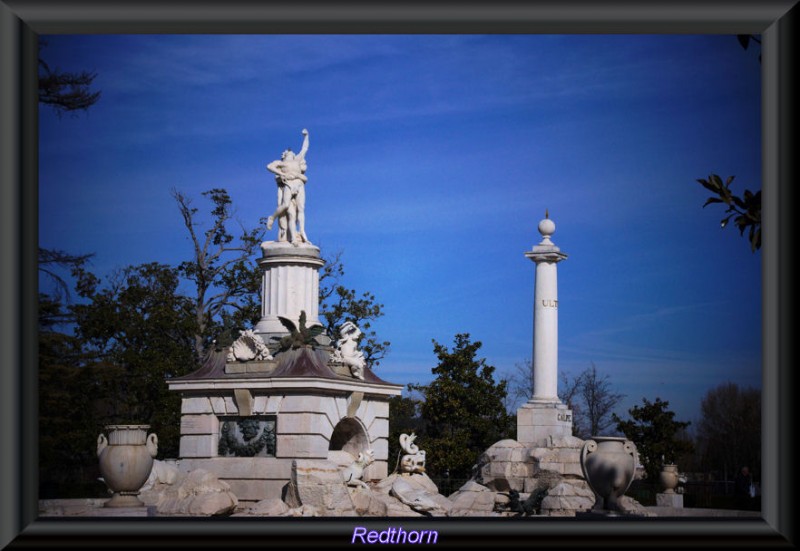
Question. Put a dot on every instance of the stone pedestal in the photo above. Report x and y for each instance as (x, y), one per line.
(289, 285)
(536, 421)
(669, 500)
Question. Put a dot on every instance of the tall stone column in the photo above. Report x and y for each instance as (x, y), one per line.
(289, 285)
(544, 415)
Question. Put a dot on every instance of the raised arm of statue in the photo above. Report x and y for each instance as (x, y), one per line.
(302, 154)
(276, 167)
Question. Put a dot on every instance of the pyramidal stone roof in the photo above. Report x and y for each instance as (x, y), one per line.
(302, 362)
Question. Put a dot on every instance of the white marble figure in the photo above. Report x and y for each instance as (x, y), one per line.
(355, 472)
(347, 352)
(414, 459)
(248, 347)
(291, 179)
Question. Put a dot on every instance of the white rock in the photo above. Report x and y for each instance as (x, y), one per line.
(199, 493)
(318, 483)
(418, 499)
(266, 507)
(567, 498)
(505, 466)
(472, 497)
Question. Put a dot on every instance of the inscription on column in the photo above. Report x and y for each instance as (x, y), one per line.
(550, 303)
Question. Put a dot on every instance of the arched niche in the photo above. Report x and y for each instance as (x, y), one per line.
(349, 435)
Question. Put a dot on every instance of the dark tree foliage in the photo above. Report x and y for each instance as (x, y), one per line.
(404, 418)
(65, 92)
(339, 304)
(652, 427)
(463, 410)
(135, 332)
(729, 431)
(745, 210)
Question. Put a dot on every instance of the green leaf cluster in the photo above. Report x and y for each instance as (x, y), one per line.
(745, 210)
(299, 335)
(463, 409)
(652, 427)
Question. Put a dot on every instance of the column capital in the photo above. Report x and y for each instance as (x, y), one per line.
(546, 253)
(546, 250)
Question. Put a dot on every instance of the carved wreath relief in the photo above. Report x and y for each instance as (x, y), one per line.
(247, 437)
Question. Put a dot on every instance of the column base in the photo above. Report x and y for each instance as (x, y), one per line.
(539, 419)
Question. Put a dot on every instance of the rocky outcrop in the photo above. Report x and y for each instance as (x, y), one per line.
(472, 498)
(199, 493)
(265, 508)
(505, 466)
(568, 498)
(560, 455)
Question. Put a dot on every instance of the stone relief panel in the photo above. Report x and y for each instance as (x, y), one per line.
(247, 436)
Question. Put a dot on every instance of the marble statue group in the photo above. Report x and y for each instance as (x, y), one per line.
(290, 176)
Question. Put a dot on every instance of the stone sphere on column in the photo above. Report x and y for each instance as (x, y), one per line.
(547, 228)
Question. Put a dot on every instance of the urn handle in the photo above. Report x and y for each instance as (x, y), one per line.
(590, 446)
(102, 442)
(152, 444)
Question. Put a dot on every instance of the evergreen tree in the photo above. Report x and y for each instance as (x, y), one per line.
(655, 432)
(463, 410)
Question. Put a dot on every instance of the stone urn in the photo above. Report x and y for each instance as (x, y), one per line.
(126, 459)
(609, 465)
(669, 478)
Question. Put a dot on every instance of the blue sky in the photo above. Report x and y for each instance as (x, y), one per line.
(432, 160)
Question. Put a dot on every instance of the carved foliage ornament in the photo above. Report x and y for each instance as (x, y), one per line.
(250, 443)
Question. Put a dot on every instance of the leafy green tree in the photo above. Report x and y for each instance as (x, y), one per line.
(463, 409)
(745, 210)
(729, 431)
(223, 270)
(136, 331)
(339, 304)
(652, 427)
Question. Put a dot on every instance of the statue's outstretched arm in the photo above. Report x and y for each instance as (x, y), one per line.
(303, 149)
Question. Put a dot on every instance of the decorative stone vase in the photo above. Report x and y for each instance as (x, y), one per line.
(126, 459)
(669, 478)
(609, 464)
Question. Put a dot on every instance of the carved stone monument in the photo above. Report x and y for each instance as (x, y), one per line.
(281, 393)
(544, 415)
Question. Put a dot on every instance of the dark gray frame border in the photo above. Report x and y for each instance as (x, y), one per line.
(22, 20)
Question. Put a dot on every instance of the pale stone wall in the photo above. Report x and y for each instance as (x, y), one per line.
(304, 426)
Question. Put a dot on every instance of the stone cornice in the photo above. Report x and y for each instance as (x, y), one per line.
(301, 384)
